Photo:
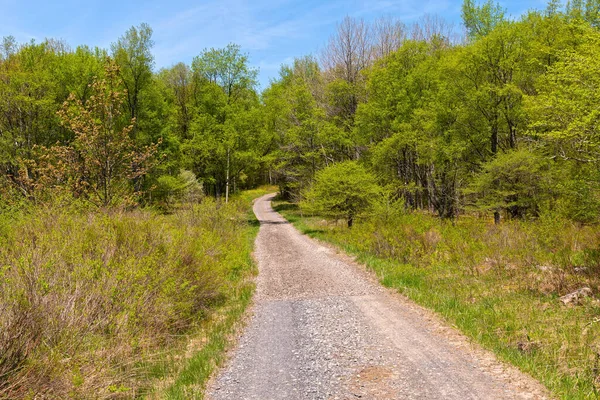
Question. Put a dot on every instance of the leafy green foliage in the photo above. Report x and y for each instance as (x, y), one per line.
(427, 114)
(481, 20)
(343, 190)
(516, 182)
(226, 126)
(91, 302)
(171, 191)
(102, 160)
(579, 190)
(565, 110)
(504, 122)
(132, 52)
(228, 68)
(295, 127)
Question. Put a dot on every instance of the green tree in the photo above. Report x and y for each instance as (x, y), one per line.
(179, 82)
(343, 190)
(592, 13)
(516, 182)
(229, 69)
(102, 161)
(133, 53)
(565, 121)
(32, 89)
(228, 81)
(565, 112)
(575, 9)
(411, 124)
(295, 125)
(347, 56)
(492, 72)
(553, 7)
(481, 20)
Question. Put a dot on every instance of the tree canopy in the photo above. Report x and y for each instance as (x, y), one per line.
(503, 121)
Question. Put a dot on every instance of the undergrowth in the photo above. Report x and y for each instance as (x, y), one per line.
(498, 284)
(188, 374)
(104, 304)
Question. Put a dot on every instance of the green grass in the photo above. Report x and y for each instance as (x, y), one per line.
(498, 285)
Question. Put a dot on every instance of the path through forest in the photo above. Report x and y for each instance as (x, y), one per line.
(322, 328)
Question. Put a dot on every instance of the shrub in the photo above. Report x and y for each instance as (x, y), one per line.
(516, 182)
(88, 299)
(170, 190)
(580, 194)
(343, 190)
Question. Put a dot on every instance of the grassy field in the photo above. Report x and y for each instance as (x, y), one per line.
(500, 285)
(121, 304)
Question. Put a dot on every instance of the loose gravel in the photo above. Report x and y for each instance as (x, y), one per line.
(322, 328)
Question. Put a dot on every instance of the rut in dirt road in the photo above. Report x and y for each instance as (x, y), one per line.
(322, 329)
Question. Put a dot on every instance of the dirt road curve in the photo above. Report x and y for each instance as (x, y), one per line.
(323, 329)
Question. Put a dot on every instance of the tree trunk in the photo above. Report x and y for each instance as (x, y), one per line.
(513, 137)
(496, 217)
(350, 221)
(227, 180)
(494, 139)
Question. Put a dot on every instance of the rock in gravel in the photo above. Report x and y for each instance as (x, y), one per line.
(575, 297)
(321, 327)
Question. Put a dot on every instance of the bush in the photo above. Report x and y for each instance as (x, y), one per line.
(171, 190)
(516, 182)
(579, 192)
(88, 299)
(345, 190)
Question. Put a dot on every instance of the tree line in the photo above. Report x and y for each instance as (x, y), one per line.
(103, 126)
(501, 120)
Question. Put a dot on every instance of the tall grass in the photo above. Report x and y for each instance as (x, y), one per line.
(188, 376)
(90, 300)
(498, 284)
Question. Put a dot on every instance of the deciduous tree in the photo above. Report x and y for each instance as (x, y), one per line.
(102, 161)
(343, 190)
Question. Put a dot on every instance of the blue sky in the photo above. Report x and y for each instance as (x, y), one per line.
(271, 31)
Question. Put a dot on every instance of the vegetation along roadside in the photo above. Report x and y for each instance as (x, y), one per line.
(116, 303)
(500, 285)
(463, 163)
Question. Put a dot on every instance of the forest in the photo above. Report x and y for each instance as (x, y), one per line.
(495, 125)
(500, 121)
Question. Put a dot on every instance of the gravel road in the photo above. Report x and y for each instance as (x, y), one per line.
(322, 328)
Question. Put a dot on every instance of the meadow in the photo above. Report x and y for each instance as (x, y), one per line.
(120, 304)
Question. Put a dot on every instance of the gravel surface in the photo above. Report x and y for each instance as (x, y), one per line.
(322, 328)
